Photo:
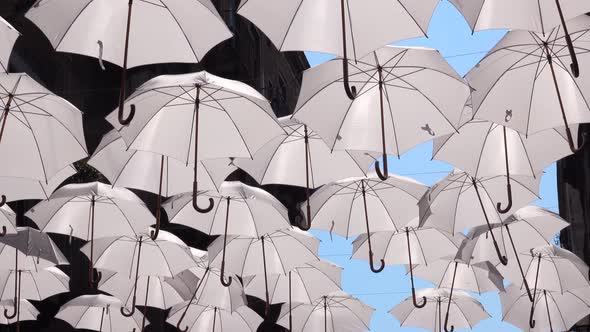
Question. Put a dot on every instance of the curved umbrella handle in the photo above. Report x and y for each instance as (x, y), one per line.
(447, 322)
(195, 203)
(308, 207)
(155, 232)
(222, 276)
(2, 200)
(503, 259)
(531, 319)
(121, 115)
(350, 91)
(178, 325)
(372, 265)
(415, 300)
(94, 281)
(11, 316)
(570, 141)
(4, 230)
(509, 206)
(416, 304)
(131, 312)
(575, 67)
(382, 175)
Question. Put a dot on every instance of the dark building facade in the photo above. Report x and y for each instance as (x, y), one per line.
(249, 57)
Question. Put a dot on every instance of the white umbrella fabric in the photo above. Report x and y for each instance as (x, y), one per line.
(17, 189)
(476, 146)
(363, 205)
(165, 256)
(274, 253)
(459, 202)
(27, 312)
(198, 116)
(465, 311)
(301, 158)
(8, 36)
(40, 132)
(523, 81)
(90, 211)
(412, 245)
(331, 313)
(98, 313)
(207, 318)
(558, 311)
(131, 34)
(408, 96)
(538, 16)
(153, 172)
(34, 285)
(350, 29)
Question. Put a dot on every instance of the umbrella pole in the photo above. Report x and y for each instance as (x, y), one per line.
(325, 314)
(214, 318)
(503, 259)
(371, 263)
(123, 92)
(531, 320)
(17, 304)
(191, 301)
(290, 303)
(5, 114)
(11, 316)
(575, 67)
(267, 307)
(101, 320)
(508, 186)
(450, 299)
(154, 233)
(147, 292)
(439, 316)
(93, 282)
(222, 273)
(195, 185)
(561, 106)
(350, 90)
(306, 139)
(526, 284)
(132, 311)
(548, 312)
(385, 174)
(412, 274)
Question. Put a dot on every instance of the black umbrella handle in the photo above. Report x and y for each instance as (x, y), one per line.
(575, 67)
(307, 226)
(2, 200)
(503, 259)
(450, 300)
(531, 320)
(222, 273)
(16, 284)
(5, 114)
(154, 233)
(383, 175)
(123, 92)
(93, 281)
(132, 311)
(190, 302)
(416, 304)
(267, 297)
(548, 312)
(508, 186)
(524, 281)
(4, 230)
(195, 186)
(350, 90)
(371, 261)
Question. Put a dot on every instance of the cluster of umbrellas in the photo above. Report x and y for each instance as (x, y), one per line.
(180, 136)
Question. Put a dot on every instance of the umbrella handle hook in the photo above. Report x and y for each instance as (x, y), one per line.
(416, 304)
(509, 205)
(531, 319)
(2, 200)
(575, 67)
(16, 298)
(4, 230)
(126, 121)
(447, 322)
(385, 174)
(415, 300)
(503, 259)
(222, 272)
(351, 91)
(11, 316)
(195, 185)
(195, 203)
(154, 233)
(372, 265)
(222, 276)
(570, 141)
(94, 281)
(307, 226)
(132, 311)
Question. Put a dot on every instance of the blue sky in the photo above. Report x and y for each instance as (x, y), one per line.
(449, 34)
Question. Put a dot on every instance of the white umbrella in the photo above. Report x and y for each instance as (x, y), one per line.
(477, 145)
(27, 312)
(8, 36)
(7, 220)
(331, 313)
(36, 285)
(528, 228)
(460, 201)
(413, 245)
(17, 189)
(344, 206)
(301, 158)
(350, 29)
(532, 15)
(131, 34)
(153, 172)
(199, 116)
(464, 312)
(40, 132)
(302, 285)
(408, 96)
(523, 81)
(474, 277)
(558, 311)
(240, 210)
(98, 313)
(73, 209)
(274, 253)
(166, 256)
(206, 318)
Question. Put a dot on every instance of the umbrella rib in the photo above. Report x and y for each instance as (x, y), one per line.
(124, 166)
(245, 256)
(36, 285)
(413, 19)
(272, 157)
(82, 316)
(214, 214)
(557, 307)
(393, 221)
(253, 219)
(342, 303)
(290, 24)
(534, 81)
(487, 135)
(386, 92)
(37, 146)
(526, 152)
(182, 30)
(72, 24)
(125, 216)
(420, 246)
(315, 306)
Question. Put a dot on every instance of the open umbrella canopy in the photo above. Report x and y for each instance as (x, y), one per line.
(142, 170)
(34, 285)
(8, 36)
(41, 132)
(98, 313)
(92, 210)
(465, 311)
(206, 318)
(180, 25)
(331, 313)
(556, 311)
(27, 311)
(35, 245)
(16, 189)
